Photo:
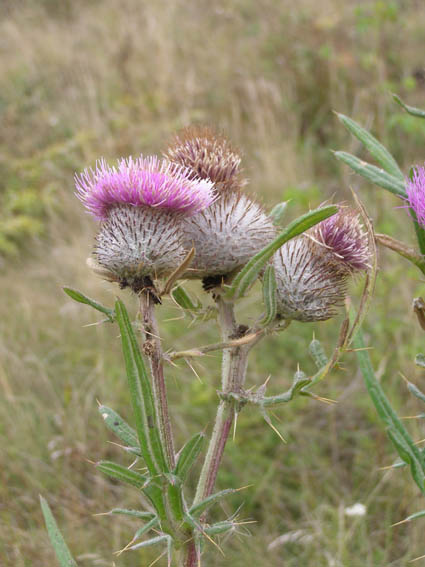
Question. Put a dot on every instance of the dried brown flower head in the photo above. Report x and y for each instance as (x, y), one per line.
(208, 155)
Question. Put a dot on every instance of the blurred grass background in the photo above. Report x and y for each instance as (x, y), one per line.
(81, 79)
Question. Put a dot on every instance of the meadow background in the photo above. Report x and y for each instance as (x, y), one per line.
(81, 79)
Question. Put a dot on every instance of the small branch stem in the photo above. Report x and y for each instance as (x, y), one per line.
(153, 350)
(200, 351)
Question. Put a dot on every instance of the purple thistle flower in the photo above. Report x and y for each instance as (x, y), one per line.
(144, 181)
(345, 239)
(415, 189)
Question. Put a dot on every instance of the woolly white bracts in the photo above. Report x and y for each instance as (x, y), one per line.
(226, 235)
(310, 286)
(135, 242)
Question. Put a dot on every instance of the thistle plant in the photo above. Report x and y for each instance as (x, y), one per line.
(186, 217)
(410, 190)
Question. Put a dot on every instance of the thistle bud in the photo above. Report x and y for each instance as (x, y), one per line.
(313, 270)
(226, 235)
(208, 156)
(309, 286)
(141, 204)
(344, 238)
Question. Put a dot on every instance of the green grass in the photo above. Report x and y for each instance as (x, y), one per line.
(83, 79)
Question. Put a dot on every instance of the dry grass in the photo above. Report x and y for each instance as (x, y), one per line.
(84, 79)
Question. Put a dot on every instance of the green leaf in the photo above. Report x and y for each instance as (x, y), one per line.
(278, 212)
(398, 434)
(246, 277)
(198, 509)
(123, 474)
(81, 298)
(153, 541)
(414, 516)
(410, 109)
(269, 296)
(188, 455)
(373, 173)
(135, 513)
(415, 391)
(117, 425)
(174, 496)
(420, 360)
(376, 149)
(141, 396)
(144, 529)
(183, 299)
(318, 354)
(61, 549)
(219, 528)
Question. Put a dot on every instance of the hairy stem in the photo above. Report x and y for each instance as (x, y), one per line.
(153, 350)
(233, 377)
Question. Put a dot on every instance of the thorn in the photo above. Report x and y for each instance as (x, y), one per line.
(193, 370)
(268, 421)
(399, 523)
(158, 558)
(417, 558)
(234, 426)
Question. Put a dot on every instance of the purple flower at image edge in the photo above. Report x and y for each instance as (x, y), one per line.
(144, 181)
(415, 189)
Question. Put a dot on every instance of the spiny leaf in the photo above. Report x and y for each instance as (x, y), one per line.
(398, 434)
(318, 354)
(269, 296)
(123, 474)
(61, 549)
(134, 513)
(141, 396)
(420, 360)
(246, 277)
(118, 426)
(300, 381)
(188, 455)
(413, 389)
(182, 298)
(153, 541)
(376, 149)
(144, 529)
(410, 109)
(198, 509)
(81, 298)
(278, 212)
(219, 528)
(373, 173)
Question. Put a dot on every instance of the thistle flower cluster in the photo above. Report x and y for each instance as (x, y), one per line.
(152, 212)
(415, 189)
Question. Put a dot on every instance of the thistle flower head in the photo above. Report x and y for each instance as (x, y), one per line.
(135, 242)
(310, 286)
(226, 235)
(207, 155)
(344, 238)
(415, 189)
(142, 182)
